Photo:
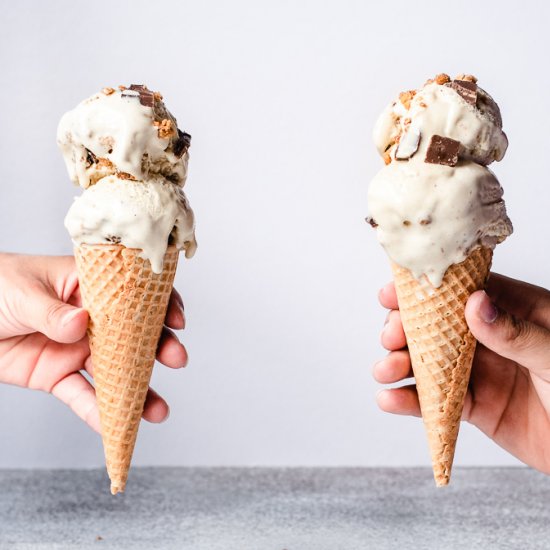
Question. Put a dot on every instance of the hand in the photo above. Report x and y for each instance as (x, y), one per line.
(509, 392)
(43, 342)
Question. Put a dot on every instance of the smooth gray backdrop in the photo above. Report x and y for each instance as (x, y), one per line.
(281, 298)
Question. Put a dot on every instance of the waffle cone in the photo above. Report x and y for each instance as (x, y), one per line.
(127, 304)
(441, 348)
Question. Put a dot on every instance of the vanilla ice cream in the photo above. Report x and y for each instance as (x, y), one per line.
(435, 200)
(125, 149)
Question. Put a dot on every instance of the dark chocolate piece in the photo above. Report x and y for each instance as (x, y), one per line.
(442, 150)
(466, 90)
(90, 158)
(181, 144)
(371, 222)
(146, 96)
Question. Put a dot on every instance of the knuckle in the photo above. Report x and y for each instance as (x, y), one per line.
(518, 333)
(52, 313)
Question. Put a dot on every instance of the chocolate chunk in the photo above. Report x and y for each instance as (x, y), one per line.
(442, 150)
(146, 96)
(371, 222)
(90, 158)
(181, 144)
(466, 89)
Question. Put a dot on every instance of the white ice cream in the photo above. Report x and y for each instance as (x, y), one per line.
(145, 215)
(430, 216)
(121, 134)
(124, 148)
(440, 110)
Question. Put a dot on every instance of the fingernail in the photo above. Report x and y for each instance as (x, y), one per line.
(487, 310)
(166, 417)
(182, 313)
(68, 317)
(186, 358)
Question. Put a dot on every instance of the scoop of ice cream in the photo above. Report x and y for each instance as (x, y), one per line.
(128, 132)
(145, 215)
(457, 109)
(429, 216)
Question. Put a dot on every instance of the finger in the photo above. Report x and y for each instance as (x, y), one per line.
(43, 312)
(393, 336)
(388, 297)
(393, 368)
(517, 339)
(399, 401)
(61, 275)
(156, 409)
(178, 298)
(76, 392)
(175, 317)
(170, 351)
(521, 299)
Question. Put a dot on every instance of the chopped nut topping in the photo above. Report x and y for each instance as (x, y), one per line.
(467, 77)
(406, 97)
(104, 162)
(387, 158)
(406, 223)
(121, 87)
(158, 96)
(427, 221)
(166, 128)
(126, 176)
(108, 91)
(442, 78)
(156, 123)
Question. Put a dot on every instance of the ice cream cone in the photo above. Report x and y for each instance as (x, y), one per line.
(127, 304)
(441, 348)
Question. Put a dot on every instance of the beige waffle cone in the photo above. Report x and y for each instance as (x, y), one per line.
(127, 304)
(441, 348)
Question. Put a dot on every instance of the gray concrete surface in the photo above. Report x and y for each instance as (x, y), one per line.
(275, 509)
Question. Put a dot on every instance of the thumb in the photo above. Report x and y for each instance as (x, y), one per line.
(46, 313)
(516, 339)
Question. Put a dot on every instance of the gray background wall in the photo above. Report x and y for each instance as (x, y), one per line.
(280, 98)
